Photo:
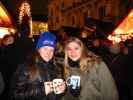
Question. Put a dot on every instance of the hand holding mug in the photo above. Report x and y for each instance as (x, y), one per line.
(48, 87)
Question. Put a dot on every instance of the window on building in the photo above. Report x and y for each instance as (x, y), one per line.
(62, 5)
(74, 3)
(57, 19)
(102, 11)
(57, 7)
(73, 20)
(51, 13)
(85, 15)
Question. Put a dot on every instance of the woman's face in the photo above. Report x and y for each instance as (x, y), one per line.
(8, 41)
(74, 51)
(46, 53)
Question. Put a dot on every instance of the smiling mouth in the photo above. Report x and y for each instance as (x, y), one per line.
(74, 56)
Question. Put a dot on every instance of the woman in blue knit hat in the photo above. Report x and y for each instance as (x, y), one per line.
(41, 76)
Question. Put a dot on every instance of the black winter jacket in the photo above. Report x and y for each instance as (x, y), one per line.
(23, 88)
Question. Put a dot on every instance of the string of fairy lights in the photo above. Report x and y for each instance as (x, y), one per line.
(24, 10)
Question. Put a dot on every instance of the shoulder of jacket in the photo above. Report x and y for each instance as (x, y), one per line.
(95, 63)
(59, 60)
(22, 69)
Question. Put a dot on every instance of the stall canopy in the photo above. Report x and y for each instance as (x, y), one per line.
(124, 30)
(5, 21)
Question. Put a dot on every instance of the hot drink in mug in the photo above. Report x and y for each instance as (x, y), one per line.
(58, 86)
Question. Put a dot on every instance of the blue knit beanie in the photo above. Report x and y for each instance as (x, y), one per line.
(46, 39)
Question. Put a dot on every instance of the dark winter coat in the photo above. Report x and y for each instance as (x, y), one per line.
(25, 89)
(97, 84)
(2, 85)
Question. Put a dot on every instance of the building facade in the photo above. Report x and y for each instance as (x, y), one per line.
(74, 12)
(39, 27)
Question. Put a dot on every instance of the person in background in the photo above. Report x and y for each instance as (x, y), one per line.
(7, 40)
(2, 85)
(87, 76)
(7, 61)
(40, 77)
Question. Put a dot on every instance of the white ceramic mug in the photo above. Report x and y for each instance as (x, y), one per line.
(73, 81)
(56, 86)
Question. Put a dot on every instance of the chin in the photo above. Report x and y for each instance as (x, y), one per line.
(74, 59)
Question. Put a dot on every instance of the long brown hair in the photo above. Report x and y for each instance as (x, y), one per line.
(87, 58)
(32, 68)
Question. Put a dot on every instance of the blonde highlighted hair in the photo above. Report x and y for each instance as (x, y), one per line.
(87, 58)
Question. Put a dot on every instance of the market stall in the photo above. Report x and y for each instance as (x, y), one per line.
(6, 25)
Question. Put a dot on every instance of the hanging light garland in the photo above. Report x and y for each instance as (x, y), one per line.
(24, 10)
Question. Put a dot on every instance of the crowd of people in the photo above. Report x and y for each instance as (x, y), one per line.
(37, 73)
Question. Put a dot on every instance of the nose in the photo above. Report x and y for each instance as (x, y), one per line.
(72, 51)
(48, 52)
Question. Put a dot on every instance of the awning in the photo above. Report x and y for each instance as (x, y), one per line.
(5, 20)
(6, 24)
(124, 30)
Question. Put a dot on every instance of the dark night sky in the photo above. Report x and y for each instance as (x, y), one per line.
(38, 7)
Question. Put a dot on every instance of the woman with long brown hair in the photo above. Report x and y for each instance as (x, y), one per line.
(41, 75)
